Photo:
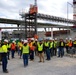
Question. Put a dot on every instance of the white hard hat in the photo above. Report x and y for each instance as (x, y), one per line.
(50, 38)
(70, 38)
(25, 41)
(5, 40)
(55, 38)
(32, 38)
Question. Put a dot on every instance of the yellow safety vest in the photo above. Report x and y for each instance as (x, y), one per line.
(62, 44)
(20, 45)
(56, 43)
(25, 49)
(74, 42)
(40, 47)
(51, 44)
(4, 48)
(66, 44)
(47, 44)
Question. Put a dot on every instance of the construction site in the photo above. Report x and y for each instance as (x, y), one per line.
(41, 44)
(30, 25)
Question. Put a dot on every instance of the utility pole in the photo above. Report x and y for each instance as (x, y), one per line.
(35, 18)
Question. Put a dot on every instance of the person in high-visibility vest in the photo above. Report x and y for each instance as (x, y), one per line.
(47, 50)
(61, 46)
(55, 46)
(67, 45)
(4, 57)
(40, 51)
(20, 45)
(13, 49)
(70, 44)
(25, 53)
(32, 48)
(51, 47)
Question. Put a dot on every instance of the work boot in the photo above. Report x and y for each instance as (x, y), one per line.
(5, 71)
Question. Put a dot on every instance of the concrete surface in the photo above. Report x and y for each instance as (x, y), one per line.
(56, 66)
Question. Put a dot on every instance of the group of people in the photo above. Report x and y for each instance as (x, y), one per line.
(27, 49)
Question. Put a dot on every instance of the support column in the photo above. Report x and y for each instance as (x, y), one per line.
(52, 33)
(18, 26)
(59, 33)
(45, 29)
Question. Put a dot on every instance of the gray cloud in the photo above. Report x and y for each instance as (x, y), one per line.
(11, 8)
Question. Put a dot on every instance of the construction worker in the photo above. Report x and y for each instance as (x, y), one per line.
(66, 45)
(20, 45)
(70, 44)
(61, 46)
(4, 57)
(47, 50)
(53, 50)
(40, 51)
(32, 48)
(55, 46)
(51, 47)
(13, 49)
(25, 53)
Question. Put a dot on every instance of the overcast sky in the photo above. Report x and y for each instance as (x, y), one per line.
(12, 8)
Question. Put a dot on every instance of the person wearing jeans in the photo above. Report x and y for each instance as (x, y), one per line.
(25, 52)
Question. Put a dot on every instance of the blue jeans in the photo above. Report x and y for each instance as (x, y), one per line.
(25, 59)
(48, 53)
(61, 52)
(31, 54)
(51, 52)
(4, 63)
(12, 53)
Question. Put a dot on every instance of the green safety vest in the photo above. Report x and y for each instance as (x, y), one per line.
(47, 44)
(51, 44)
(4, 48)
(56, 43)
(25, 49)
(40, 47)
(62, 44)
(74, 42)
